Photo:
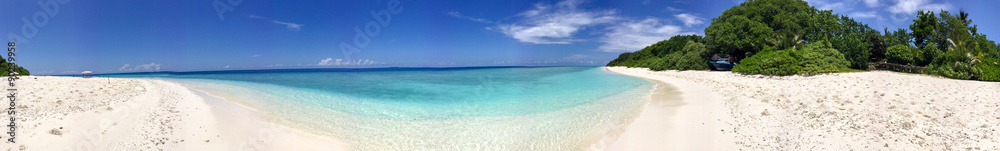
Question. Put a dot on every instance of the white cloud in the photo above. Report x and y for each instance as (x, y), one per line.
(690, 20)
(144, 67)
(871, 3)
(459, 15)
(635, 35)
(870, 14)
(912, 6)
(646, 2)
(123, 67)
(672, 9)
(575, 57)
(148, 67)
(290, 26)
(342, 62)
(555, 24)
(327, 61)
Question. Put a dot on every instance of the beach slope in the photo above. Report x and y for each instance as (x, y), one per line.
(874, 110)
(66, 113)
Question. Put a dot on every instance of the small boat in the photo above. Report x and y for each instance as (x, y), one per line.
(721, 62)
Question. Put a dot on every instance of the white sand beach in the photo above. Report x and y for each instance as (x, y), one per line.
(67, 113)
(689, 110)
(874, 110)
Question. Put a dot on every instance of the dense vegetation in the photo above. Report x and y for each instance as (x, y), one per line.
(784, 37)
(814, 58)
(5, 68)
(682, 52)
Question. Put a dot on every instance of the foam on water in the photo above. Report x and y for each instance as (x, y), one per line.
(551, 108)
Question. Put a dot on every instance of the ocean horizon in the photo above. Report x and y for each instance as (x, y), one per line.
(494, 108)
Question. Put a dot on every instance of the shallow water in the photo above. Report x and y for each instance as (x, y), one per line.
(540, 108)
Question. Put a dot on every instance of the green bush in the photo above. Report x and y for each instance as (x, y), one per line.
(820, 57)
(692, 61)
(770, 62)
(660, 64)
(695, 57)
(900, 54)
(956, 70)
(990, 69)
(813, 58)
(928, 54)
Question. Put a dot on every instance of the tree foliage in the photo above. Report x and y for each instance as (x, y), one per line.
(900, 54)
(820, 57)
(814, 58)
(770, 62)
(743, 30)
(924, 27)
(695, 57)
(681, 52)
(737, 35)
(6, 67)
(928, 54)
(782, 37)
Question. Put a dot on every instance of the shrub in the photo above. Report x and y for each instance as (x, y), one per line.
(990, 69)
(661, 64)
(770, 62)
(695, 57)
(820, 57)
(900, 54)
(928, 54)
(692, 61)
(956, 70)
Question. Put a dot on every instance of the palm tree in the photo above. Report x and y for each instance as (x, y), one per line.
(965, 46)
(786, 39)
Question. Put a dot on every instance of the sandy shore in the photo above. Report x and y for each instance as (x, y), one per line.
(66, 113)
(844, 111)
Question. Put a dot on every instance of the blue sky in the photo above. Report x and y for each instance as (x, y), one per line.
(70, 36)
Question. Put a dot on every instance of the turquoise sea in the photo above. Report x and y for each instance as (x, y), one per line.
(473, 108)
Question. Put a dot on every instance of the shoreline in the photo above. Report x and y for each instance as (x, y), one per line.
(245, 122)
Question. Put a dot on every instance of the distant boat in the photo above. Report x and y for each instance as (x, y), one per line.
(721, 62)
(393, 67)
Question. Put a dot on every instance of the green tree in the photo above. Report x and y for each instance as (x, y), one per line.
(695, 57)
(900, 54)
(743, 30)
(928, 54)
(924, 27)
(787, 39)
(737, 35)
(675, 43)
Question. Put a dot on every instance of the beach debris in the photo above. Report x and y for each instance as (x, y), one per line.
(55, 131)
